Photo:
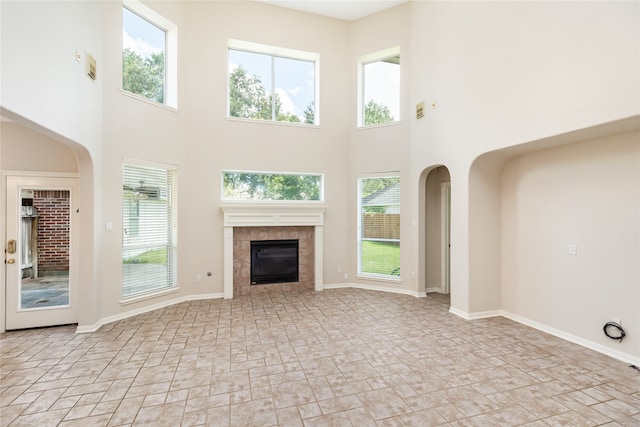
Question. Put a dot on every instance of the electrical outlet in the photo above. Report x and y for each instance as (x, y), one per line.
(339, 269)
(573, 249)
(198, 279)
(346, 276)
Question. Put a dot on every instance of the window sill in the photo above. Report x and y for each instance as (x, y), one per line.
(273, 122)
(381, 125)
(385, 279)
(150, 295)
(149, 101)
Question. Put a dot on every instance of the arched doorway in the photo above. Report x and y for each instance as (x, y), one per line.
(436, 217)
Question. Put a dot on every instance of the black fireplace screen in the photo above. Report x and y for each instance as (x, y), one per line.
(274, 261)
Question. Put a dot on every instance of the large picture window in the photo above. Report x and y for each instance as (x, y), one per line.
(148, 54)
(149, 229)
(379, 226)
(240, 185)
(270, 83)
(380, 88)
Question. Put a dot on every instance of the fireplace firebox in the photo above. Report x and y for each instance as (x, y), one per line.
(274, 261)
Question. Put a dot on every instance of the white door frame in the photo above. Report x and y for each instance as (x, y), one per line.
(445, 237)
(12, 316)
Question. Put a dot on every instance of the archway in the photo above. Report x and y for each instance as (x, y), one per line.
(435, 210)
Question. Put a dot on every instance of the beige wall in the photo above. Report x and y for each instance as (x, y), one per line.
(498, 79)
(587, 194)
(22, 149)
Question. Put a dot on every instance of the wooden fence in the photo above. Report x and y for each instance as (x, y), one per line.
(381, 226)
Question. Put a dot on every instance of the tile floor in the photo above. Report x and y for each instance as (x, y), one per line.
(343, 357)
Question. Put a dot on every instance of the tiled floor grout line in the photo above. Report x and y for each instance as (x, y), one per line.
(344, 357)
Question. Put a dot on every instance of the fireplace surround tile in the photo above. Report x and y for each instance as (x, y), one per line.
(242, 237)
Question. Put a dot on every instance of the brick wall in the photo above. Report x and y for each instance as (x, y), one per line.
(52, 207)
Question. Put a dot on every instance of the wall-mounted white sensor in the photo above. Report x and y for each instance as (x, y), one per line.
(91, 66)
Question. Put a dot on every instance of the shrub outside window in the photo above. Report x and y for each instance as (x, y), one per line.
(380, 88)
(270, 83)
(379, 226)
(149, 229)
(239, 185)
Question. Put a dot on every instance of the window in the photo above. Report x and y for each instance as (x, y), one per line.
(238, 185)
(379, 226)
(380, 88)
(149, 228)
(269, 83)
(149, 57)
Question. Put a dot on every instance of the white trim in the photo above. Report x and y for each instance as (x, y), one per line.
(281, 52)
(156, 293)
(120, 316)
(379, 278)
(436, 290)
(148, 101)
(272, 214)
(475, 316)
(171, 49)
(376, 288)
(273, 122)
(627, 358)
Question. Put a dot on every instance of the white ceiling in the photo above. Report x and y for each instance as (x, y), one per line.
(347, 10)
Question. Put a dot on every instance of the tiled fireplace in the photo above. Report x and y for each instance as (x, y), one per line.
(242, 237)
(274, 221)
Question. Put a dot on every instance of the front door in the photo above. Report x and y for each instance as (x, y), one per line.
(41, 252)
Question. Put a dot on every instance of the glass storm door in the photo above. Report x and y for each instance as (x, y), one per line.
(40, 252)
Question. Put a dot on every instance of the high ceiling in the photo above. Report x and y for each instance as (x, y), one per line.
(347, 10)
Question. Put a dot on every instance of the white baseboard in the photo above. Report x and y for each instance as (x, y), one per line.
(83, 329)
(475, 316)
(434, 289)
(627, 358)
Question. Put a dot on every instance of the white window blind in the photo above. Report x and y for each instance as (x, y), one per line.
(379, 226)
(148, 229)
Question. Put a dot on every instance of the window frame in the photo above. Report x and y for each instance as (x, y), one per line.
(276, 52)
(364, 60)
(170, 55)
(360, 228)
(171, 231)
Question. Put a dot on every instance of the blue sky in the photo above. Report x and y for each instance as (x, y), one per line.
(140, 35)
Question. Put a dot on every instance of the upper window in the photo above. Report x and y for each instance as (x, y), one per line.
(380, 88)
(269, 83)
(149, 228)
(379, 226)
(271, 186)
(148, 54)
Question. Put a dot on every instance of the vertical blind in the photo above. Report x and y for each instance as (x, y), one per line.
(148, 229)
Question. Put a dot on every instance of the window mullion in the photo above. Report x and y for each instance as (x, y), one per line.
(273, 88)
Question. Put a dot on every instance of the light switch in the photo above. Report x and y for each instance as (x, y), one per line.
(108, 226)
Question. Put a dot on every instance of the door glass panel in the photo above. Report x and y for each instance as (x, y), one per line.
(44, 248)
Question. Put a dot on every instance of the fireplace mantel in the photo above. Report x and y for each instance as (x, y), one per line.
(261, 214)
(272, 214)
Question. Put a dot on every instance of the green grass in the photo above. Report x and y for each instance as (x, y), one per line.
(154, 256)
(381, 258)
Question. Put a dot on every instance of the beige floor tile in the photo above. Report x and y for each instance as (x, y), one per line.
(344, 357)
